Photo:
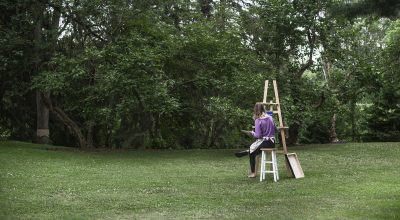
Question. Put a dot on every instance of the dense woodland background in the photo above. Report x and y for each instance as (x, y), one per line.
(186, 73)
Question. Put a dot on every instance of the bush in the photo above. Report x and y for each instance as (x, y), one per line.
(4, 133)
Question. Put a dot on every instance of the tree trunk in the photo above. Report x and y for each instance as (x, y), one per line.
(353, 120)
(155, 132)
(42, 113)
(89, 136)
(42, 124)
(71, 125)
(333, 135)
(294, 128)
(208, 133)
(215, 134)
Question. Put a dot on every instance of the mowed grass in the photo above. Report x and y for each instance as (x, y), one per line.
(343, 181)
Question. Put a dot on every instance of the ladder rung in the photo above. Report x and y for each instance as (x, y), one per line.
(284, 127)
(268, 149)
(268, 171)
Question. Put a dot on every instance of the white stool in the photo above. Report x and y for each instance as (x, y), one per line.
(273, 162)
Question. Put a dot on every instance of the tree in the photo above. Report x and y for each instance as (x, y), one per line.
(380, 110)
(287, 34)
(185, 74)
(384, 113)
(382, 8)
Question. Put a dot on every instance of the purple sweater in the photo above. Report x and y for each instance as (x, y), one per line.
(264, 127)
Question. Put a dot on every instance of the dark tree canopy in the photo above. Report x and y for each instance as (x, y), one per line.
(383, 8)
(186, 74)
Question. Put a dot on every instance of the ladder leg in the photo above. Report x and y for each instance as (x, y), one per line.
(265, 164)
(262, 170)
(261, 166)
(273, 164)
(265, 91)
(276, 167)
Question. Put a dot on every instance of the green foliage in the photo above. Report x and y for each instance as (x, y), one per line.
(355, 75)
(17, 103)
(384, 115)
(186, 74)
(385, 8)
(4, 134)
(209, 68)
(104, 85)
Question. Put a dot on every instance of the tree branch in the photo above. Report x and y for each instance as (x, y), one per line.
(78, 20)
(67, 121)
(311, 36)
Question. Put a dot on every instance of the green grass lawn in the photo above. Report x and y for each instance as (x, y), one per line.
(344, 181)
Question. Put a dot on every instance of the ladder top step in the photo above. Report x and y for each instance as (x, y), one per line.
(284, 127)
(268, 149)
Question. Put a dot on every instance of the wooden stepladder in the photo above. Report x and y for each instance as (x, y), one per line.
(292, 163)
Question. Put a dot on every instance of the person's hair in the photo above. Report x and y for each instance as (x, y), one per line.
(258, 111)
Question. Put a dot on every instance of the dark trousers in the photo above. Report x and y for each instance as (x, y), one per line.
(264, 144)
